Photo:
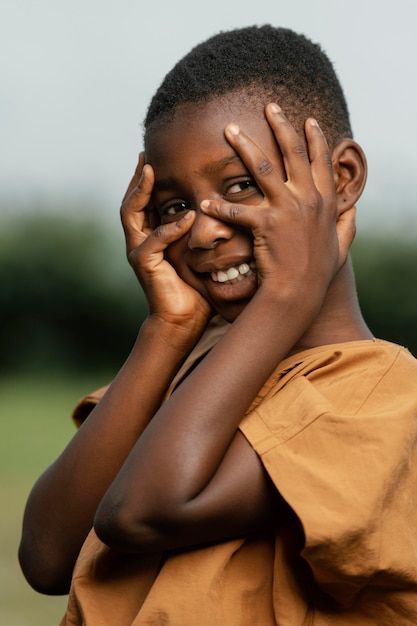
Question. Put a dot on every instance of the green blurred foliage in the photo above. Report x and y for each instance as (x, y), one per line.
(69, 300)
(386, 272)
(68, 297)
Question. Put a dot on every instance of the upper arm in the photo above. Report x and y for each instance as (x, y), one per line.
(239, 499)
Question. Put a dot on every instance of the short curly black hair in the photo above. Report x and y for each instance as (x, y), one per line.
(265, 63)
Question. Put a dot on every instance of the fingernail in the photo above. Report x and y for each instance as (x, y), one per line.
(188, 215)
(233, 129)
(313, 122)
(275, 108)
(205, 204)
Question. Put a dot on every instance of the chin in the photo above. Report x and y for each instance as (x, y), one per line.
(231, 311)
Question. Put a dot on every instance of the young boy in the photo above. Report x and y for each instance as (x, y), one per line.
(276, 482)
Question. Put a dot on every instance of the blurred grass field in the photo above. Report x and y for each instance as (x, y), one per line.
(35, 425)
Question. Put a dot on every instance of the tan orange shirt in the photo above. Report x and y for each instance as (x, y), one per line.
(336, 429)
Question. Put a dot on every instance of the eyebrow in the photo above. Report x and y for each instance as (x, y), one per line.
(166, 184)
(215, 166)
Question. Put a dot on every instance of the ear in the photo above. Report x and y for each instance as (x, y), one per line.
(349, 170)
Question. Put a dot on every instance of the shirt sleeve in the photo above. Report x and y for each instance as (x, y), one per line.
(84, 406)
(350, 479)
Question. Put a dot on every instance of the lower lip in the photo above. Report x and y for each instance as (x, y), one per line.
(227, 292)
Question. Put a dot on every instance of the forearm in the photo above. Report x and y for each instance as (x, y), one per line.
(63, 502)
(182, 449)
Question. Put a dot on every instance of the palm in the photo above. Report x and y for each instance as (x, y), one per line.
(170, 297)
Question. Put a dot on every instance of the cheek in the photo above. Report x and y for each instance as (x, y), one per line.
(176, 255)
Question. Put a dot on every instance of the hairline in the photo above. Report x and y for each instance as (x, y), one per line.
(260, 98)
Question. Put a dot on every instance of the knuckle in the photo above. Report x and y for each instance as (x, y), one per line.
(139, 260)
(299, 150)
(313, 201)
(137, 255)
(270, 220)
(326, 156)
(159, 232)
(234, 212)
(134, 258)
(264, 168)
(329, 200)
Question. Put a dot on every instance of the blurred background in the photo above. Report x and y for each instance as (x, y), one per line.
(76, 81)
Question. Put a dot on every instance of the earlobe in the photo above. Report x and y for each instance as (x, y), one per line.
(350, 171)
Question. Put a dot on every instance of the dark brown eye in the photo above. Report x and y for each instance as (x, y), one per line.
(172, 209)
(240, 186)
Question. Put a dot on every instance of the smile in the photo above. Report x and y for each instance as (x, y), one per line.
(234, 273)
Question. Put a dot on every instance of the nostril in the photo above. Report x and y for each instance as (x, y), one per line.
(208, 245)
(207, 232)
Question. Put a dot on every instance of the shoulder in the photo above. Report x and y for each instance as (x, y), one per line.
(358, 375)
(335, 382)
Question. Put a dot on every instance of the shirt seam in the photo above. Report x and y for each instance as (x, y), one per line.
(280, 438)
(379, 381)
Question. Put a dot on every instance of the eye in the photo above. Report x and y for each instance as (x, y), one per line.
(241, 186)
(173, 208)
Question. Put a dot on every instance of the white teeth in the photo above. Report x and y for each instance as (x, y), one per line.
(222, 277)
(232, 273)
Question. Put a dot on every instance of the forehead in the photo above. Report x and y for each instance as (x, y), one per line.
(195, 135)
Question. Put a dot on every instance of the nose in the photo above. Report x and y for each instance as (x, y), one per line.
(207, 232)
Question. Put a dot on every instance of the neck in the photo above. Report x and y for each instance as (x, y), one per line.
(340, 318)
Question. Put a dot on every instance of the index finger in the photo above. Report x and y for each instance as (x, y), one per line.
(136, 176)
(133, 210)
(266, 171)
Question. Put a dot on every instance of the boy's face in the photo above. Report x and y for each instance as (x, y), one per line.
(193, 161)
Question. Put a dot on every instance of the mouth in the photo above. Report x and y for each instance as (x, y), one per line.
(234, 273)
(231, 282)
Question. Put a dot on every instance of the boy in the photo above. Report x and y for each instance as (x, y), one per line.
(275, 484)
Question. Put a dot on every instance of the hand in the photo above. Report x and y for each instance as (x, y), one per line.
(170, 298)
(298, 240)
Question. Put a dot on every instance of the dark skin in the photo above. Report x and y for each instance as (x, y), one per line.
(182, 474)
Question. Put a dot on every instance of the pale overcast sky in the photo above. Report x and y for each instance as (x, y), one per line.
(77, 77)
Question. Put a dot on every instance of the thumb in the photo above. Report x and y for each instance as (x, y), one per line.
(150, 253)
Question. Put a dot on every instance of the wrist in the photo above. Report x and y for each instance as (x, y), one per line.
(175, 337)
(278, 318)
(292, 295)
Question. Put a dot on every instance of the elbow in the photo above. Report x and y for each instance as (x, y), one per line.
(126, 530)
(43, 576)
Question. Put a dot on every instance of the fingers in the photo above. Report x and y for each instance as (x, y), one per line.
(292, 146)
(320, 162)
(246, 216)
(133, 210)
(266, 173)
(306, 166)
(148, 254)
(136, 176)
